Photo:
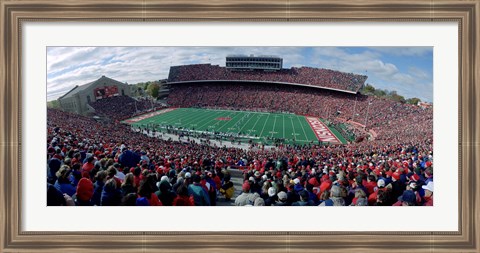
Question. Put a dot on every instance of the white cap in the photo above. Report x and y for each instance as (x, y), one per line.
(282, 195)
(381, 183)
(188, 175)
(272, 191)
(296, 181)
(429, 186)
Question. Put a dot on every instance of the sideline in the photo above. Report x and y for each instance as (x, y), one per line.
(211, 142)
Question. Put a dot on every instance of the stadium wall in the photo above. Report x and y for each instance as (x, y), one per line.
(77, 99)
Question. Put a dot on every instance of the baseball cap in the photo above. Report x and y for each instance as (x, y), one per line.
(414, 177)
(429, 186)
(271, 192)
(246, 186)
(381, 183)
(282, 196)
(408, 196)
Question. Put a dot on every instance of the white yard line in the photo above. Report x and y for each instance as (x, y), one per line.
(209, 119)
(193, 119)
(258, 118)
(274, 123)
(305, 133)
(260, 135)
(238, 114)
(294, 132)
(246, 123)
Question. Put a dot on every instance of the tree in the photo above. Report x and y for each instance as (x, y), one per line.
(153, 89)
(380, 93)
(368, 89)
(53, 104)
(396, 97)
(146, 85)
(392, 95)
(413, 101)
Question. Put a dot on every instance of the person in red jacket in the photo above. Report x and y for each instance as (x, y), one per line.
(183, 199)
(147, 190)
(371, 184)
(87, 167)
(428, 194)
(324, 186)
(372, 198)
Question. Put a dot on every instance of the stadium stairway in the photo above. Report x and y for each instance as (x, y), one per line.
(237, 180)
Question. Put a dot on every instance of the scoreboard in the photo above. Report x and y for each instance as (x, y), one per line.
(105, 92)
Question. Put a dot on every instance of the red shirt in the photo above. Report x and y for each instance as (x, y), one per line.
(88, 167)
(370, 186)
(217, 181)
(137, 180)
(398, 203)
(325, 185)
(429, 201)
(373, 197)
(183, 201)
(154, 201)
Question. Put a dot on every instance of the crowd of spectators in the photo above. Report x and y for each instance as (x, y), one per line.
(123, 107)
(107, 164)
(104, 163)
(304, 75)
(393, 122)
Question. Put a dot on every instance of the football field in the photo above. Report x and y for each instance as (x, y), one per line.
(258, 126)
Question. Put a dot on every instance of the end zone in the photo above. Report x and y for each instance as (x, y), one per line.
(148, 115)
(322, 132)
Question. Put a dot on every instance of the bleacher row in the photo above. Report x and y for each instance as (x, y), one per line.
(104, 163)
(123, 107)
(304, 75)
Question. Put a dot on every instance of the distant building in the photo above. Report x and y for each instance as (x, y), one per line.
(78, 98)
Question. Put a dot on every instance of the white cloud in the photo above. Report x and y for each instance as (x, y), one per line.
(383, 75)
(404, 51)
(70, 66)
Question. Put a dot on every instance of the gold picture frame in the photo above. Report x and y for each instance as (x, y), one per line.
(13, 13)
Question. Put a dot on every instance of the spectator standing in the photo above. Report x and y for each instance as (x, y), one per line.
(243, 199)
(428, 194)
(200, 195)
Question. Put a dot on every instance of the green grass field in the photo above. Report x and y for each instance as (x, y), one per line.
(251, 125)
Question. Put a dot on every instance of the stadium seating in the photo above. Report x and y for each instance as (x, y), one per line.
(72, 138)
(304, 75)
(394, 122)
(122, 107)
(398, 162)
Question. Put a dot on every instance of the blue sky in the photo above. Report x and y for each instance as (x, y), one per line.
(407, 70)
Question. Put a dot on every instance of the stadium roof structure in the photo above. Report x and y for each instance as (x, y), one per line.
(79, 88)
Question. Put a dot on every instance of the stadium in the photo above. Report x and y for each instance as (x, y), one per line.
(251, 133)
